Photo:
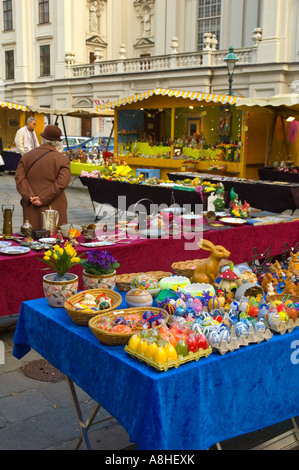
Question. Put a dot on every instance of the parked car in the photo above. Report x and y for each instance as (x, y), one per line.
(74, 141)
(87, 143)
(99, 142)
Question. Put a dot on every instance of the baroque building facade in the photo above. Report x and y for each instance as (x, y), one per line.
(77, 53)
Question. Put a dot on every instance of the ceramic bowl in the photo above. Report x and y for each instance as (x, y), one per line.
(197, 289)
(173, 282)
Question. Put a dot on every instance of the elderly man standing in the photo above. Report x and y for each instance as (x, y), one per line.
(25, 138)
(41, 178)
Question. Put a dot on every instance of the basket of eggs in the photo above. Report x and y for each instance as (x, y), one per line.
(116, 328)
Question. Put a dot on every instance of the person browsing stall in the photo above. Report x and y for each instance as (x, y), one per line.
(41, 178)
(25, 138)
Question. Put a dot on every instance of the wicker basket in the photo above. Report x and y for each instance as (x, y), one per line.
(116, 339)
(186, 268)
(82, 317)
(123, 281)
(282, 298)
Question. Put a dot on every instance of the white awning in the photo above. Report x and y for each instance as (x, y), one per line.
(285, 104)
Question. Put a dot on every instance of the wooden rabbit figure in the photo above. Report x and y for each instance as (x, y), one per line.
(208, 269)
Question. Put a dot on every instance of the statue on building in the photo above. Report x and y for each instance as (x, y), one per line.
(93, 18)
(147, 23)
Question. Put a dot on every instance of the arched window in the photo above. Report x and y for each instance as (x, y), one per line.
(209, 15)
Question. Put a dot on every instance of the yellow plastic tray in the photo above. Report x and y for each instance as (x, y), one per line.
(171, 362)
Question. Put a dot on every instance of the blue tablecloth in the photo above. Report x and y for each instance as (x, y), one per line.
(189, 408)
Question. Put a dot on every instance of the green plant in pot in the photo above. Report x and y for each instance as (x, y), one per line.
(99, 270)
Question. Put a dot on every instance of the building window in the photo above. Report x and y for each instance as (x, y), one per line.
(44, 61)
(7, 15)
(209, 14)
(9, 65)
(43, 11)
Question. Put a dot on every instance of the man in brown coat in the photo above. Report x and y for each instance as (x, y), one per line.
(42, 176)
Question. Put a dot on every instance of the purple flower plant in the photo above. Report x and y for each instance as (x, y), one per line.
(99, 262)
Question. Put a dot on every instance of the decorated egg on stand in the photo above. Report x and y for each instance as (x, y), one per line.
(146, 282)
(138, 298)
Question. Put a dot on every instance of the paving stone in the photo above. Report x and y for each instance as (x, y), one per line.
(24, 435)
(24, 405)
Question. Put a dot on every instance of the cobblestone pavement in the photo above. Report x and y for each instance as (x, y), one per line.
(36, 415)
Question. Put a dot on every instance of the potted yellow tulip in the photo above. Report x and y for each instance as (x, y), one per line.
(60, 285)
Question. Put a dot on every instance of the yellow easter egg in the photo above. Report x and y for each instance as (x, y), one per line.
(134, 341)
(150, 351)
(276, 302)
(142, 346)
(283, 316)
(160, 356)
(170, 351)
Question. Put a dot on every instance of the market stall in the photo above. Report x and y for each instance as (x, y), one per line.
(166, 129)
(13, 116)
(278, 117)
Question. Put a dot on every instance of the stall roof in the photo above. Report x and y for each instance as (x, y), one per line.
(186, 95)
(72, 112)
(283, 104)
(19, 107)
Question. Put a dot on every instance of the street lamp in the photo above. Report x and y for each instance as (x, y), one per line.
(231, 59)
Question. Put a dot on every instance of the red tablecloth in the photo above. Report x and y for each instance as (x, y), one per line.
(21, 276)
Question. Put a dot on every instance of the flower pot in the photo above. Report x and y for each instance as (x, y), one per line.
(101, 281)
(57, 290)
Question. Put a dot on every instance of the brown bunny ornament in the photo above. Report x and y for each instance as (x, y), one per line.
(208, 269)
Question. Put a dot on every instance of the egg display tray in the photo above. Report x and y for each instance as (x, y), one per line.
(171, 362)
(237, 342)
(283, 327)
(123, 281)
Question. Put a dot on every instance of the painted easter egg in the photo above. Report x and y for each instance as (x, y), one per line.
(197, 305)
(224, 335)
(170, 308)
(214, 339)
(260, 326)
(179, 312)
(274, 319)
(242, 329)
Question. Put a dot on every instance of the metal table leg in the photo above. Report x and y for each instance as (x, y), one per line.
(83, 426)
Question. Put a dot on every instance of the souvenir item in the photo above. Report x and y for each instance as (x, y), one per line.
(7, 221)
(138, 298)
(50, 220)
(208, 269)
(146, 282)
